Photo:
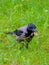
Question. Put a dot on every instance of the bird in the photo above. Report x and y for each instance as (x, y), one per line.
(24, 33)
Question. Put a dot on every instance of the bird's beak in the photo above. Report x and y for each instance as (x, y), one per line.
(35, 33)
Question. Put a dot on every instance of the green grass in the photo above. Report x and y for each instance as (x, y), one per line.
(14, 14)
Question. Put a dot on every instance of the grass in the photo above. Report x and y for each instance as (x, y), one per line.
(14, 14)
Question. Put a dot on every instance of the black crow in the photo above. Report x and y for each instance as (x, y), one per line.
(24, 33)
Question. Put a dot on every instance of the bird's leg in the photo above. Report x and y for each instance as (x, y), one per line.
(22, 45)
(27, 45)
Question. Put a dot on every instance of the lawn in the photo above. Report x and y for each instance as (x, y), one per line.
(14, 14)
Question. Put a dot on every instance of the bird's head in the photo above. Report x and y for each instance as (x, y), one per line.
(32, 29)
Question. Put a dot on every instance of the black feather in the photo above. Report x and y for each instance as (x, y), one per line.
(18, 32)
(8, 32)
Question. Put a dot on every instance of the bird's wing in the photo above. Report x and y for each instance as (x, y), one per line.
(21, 37)
(18, 32)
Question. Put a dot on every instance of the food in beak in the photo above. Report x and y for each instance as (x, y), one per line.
(35, 33)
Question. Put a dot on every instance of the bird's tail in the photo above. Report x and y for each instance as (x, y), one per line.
(8, 32)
